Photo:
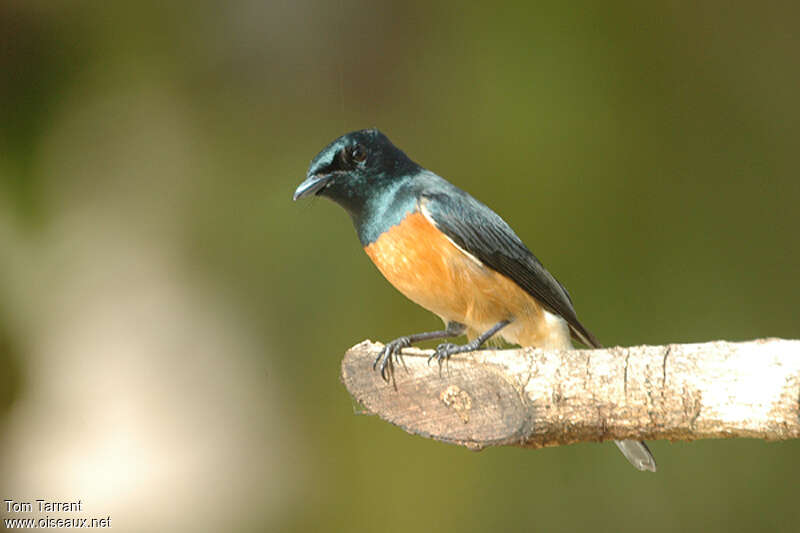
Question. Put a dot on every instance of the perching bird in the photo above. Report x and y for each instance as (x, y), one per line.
(449, 253)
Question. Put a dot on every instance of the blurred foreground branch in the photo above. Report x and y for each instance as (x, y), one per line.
(534, 398)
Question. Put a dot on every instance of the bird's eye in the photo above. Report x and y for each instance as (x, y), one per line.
(358, 154)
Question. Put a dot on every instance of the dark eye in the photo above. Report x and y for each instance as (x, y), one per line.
(358, 153)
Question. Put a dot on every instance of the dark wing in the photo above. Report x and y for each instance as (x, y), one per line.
(481, 232)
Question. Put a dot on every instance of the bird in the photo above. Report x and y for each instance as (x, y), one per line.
(450, 254)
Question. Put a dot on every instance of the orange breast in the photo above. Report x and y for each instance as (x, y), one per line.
(429, 269)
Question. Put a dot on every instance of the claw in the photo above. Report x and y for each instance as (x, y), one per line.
(387, 364)
(384, 358)
(380, 356)
(389, 355)
(443, 351)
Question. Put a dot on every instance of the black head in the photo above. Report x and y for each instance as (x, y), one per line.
(355, 167)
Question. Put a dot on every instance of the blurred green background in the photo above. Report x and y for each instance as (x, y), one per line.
(172, 324)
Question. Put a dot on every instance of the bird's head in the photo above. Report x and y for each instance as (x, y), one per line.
(355, 167)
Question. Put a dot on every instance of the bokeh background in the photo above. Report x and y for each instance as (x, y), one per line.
(172, 324)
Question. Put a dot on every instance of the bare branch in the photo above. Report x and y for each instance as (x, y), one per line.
(536, 398)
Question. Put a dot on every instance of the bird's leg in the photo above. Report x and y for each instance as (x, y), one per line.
(444, 351)
(392, 349)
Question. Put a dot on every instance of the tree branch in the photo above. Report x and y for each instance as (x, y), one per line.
(535, 398)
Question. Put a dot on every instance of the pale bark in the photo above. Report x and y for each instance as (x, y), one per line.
(533, 398)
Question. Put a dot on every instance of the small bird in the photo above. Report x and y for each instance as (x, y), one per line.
(449, 253)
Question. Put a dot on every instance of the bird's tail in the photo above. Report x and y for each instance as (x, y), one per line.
(638, 454)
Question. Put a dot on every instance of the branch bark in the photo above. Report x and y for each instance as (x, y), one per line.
(535, 398)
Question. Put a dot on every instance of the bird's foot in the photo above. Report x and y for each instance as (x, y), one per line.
(389, 354)
(447, 349)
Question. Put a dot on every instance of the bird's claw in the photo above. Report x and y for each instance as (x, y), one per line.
(384, 362)
(444, 351)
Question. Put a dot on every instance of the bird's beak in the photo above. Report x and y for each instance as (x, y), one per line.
(313, 184)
